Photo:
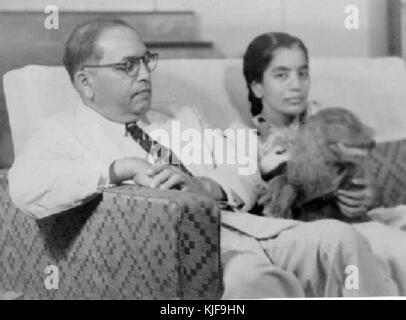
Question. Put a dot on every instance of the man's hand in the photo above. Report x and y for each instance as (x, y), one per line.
(166, 177)
(130, 168)
(163, 177)
(356, 202)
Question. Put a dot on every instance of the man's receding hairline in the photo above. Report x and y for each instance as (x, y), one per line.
(112, 27)
(97, 46)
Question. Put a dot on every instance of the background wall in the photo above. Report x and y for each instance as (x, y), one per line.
(231, 24)
(320, 23)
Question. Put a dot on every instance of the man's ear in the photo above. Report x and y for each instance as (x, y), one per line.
(84, 84)
(258, 89)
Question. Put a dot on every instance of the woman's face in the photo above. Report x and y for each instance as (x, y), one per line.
(285, 83)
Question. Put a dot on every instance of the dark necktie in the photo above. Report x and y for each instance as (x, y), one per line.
(154, 148)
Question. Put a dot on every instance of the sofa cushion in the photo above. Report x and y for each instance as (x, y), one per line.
(129, 243)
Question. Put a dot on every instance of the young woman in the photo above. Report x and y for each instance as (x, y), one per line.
(276, 70)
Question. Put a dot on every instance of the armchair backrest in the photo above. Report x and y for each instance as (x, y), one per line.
(373, 88)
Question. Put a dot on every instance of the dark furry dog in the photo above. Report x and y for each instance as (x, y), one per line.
(318, 166)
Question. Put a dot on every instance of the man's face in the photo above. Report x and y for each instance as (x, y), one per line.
(119, 97)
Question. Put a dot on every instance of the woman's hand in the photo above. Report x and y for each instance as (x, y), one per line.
(355, 203)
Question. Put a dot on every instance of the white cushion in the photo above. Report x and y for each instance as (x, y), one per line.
(373, 88)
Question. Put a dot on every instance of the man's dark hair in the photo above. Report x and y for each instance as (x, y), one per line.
(81, 46)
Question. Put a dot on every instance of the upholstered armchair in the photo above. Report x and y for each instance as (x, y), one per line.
(129, 243)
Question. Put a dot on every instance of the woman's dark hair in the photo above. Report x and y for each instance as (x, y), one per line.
(259, 55)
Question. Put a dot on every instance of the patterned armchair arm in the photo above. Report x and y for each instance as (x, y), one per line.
(129, 243)
(388, 163)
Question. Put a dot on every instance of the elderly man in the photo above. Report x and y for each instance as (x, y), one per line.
(75, 157)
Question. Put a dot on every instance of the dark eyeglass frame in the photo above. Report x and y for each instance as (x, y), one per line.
(132, 65)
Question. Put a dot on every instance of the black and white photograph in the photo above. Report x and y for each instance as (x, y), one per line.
(205, 150)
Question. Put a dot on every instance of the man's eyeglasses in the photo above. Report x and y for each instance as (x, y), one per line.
(132, 65)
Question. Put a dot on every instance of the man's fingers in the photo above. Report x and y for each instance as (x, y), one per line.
(156, 169)
(160, 178)
(173, 181)
(142, 180)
